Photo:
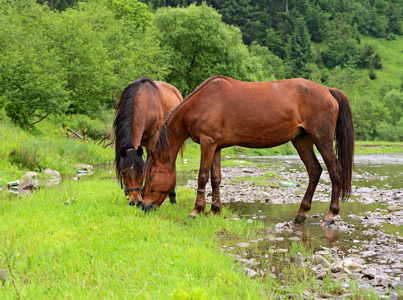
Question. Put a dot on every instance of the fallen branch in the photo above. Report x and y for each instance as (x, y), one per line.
(105, 137)
(75, 133)
(64, 132)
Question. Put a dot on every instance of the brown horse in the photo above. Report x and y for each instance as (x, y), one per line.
(142, 108)
(223, 112)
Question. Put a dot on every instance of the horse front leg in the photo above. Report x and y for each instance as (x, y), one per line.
(215, 182)
(207, 148)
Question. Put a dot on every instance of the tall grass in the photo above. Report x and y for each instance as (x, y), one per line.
(22, 151)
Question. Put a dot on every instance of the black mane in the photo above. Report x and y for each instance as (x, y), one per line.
(123, 126)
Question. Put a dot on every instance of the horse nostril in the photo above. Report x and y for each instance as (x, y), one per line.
(148, 207)
(131, 203)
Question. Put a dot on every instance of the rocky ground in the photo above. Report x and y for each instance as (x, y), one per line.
(375, 262)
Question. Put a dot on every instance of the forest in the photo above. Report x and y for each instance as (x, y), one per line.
(67, 58)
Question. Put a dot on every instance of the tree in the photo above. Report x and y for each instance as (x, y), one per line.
(135, 12)
(272, 65)
(31, 75)
(299, 52)
(200, 45)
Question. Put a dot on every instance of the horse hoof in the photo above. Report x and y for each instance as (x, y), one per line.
(194, 214)
(299, 219)
(173, 201)
(327, 222)
(148, 207)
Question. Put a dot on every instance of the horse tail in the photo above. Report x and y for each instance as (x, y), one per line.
(345, 137)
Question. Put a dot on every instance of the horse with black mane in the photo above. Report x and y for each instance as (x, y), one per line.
(142, 108)
(223, 112)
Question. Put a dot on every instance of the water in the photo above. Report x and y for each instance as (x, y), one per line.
(383, 171)
(379, 170)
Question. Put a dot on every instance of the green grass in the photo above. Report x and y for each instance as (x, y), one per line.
(22, 151)
(270, 179)
(97, 246)
(378, 147)
(392, 61)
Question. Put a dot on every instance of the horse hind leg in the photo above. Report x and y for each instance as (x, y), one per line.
(335, 172)
(304, 145)
(215, 182)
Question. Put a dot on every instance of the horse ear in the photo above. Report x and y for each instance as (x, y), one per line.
(123, 152)
(140, 151)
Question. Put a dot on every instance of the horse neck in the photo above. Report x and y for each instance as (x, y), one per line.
(178, 136)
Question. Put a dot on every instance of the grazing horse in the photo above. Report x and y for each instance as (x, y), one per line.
(142, 108)
(223, 112)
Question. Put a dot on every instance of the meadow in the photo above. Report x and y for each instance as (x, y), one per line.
(82, 240)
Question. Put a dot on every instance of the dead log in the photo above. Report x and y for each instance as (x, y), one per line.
(75, 133)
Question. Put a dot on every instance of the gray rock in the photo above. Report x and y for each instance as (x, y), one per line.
(52, 173)
(26, 184)
(369, 273)
(243, 244)
(321, 275)
(31, 175)
(85, 167)
(395, 208)
(249, 272)
(350, 265)
(320, 260)
(298, 257)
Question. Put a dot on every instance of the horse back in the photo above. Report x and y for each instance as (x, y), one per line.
(259, 114)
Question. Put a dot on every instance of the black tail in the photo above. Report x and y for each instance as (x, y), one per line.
(345, 137)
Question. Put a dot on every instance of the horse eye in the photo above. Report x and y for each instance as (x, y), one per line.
(123, 174)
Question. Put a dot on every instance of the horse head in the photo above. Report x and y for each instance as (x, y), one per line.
(131, 173)
(160, 180)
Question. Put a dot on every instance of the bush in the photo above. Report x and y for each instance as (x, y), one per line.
(389, 132)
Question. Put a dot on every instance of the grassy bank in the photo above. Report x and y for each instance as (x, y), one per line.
(82, 240)
(46, 147)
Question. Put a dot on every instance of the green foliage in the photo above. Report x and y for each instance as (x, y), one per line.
(75, 61)
(273, 67)
(133, 11)
(200, 45)
(299, 52)
(28, 92)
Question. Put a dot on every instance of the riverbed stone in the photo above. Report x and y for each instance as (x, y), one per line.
(321, 260)
(299, 257)
(399, 239)
(321, 275)
(369, 273)
(395, 208)
(249, 272)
